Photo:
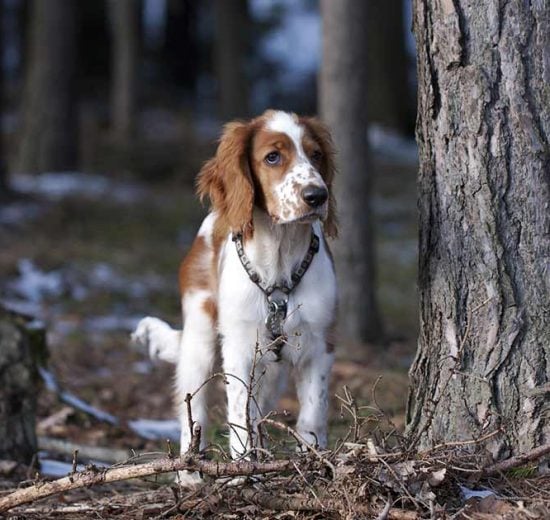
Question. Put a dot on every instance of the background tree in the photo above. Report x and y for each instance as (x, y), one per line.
(17, 391)
(389, 98)
(49, 136)
(3, 172)
(124, 20)
(484, 121)
(342, 86)
(231, 31)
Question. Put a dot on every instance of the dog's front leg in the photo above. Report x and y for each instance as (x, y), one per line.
(242, 410)
(312, 384)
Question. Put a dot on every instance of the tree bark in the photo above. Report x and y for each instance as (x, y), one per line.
(342, 87)
(124, 20)
(389, 97)
(483, 359)
(17, 392)
(49, 136)
(232, 24)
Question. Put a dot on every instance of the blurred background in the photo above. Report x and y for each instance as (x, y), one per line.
(108, 110)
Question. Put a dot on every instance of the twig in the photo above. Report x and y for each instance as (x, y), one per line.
(75, 462)
(301, 440)
(518, 460)
(92, 477)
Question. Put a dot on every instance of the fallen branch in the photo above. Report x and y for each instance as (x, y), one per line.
(93, 476)
(518, 460)
(328, 505)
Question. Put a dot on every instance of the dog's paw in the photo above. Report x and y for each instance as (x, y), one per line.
(158, 338)
(189, 479)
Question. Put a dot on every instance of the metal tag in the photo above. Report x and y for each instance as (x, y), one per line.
(277, 309)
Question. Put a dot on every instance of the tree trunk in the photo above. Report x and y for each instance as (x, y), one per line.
(124, 18)
(17, 392)
(3, 162)
(342, 102)
(483, 360)
(389, 97)
(230, 54)
(49, 137)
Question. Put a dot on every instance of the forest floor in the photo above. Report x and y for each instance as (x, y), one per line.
(88, 256)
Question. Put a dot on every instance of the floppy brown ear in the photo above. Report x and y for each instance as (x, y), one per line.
(226, 179)
(321, 134)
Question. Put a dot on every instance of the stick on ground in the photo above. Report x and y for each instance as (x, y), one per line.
(92, 477)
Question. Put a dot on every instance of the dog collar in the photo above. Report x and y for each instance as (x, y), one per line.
(277, 294)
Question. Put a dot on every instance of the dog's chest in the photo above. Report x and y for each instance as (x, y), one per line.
(310, 305)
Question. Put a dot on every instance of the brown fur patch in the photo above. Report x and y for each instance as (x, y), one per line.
(227, 181)
(210, 307)
(195, 269)
(319, 133)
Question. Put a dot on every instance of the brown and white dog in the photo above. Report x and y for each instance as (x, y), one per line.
(270, 187)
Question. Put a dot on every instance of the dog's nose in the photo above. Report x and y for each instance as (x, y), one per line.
(314, 196)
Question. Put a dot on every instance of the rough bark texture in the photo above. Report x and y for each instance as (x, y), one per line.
(342, 103)
(230, 54)
(483, 358)
(49, 136)
(17, 392)
(389, 96)
(124, 19)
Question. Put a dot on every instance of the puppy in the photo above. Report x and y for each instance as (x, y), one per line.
(258, 280)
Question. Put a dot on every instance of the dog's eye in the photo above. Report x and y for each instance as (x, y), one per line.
(316, 156)
(273, 158)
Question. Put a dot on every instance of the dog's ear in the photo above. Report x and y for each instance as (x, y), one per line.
(227, 181)
(321, 134)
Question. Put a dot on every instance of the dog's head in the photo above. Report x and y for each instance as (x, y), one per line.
(278, 162)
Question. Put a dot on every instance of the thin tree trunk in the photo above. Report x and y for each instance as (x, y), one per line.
(342, 88)
(124, 19)
(49, 136)
(3, 162)
(17, 392)
(389, 98)
(483, 360)
(232, 25)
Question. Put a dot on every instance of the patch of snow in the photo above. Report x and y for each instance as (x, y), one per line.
(475, 493)
(111, 323)
(57, 468)
(154, 429)
(151, 429)
(15, 213)
(33, 284)
(392, 146)
(142, 367)
(24, 307)
(72, 400)
(58, 185)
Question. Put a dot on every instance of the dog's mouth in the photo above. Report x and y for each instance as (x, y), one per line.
(308, 218)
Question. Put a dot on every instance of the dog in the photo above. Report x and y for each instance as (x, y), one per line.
(259, 280)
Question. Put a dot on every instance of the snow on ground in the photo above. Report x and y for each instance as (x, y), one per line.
(151, 429)
(58, 185)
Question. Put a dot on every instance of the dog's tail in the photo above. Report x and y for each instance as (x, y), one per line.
(160, 340)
